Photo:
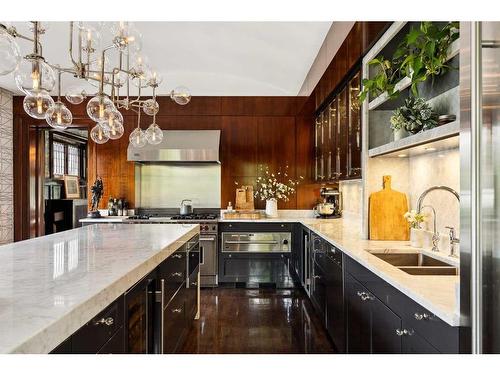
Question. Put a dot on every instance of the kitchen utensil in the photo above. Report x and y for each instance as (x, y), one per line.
(324, 209)
(386, 210)
(244, 198)
(186, 207)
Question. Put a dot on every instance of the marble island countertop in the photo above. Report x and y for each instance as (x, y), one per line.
(51, 286)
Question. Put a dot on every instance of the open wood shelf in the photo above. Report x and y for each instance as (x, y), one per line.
(432, 140)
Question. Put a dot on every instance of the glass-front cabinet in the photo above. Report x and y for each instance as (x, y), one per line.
(338, 135)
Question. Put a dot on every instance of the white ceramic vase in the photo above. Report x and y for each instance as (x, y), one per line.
(416, 237)
(271, 208)
(400, 134)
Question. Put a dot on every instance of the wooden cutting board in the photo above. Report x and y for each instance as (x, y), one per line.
(386, 210)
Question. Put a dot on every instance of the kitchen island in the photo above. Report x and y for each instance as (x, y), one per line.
(53, 285)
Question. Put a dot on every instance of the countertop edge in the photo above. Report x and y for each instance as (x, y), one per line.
(53, 335)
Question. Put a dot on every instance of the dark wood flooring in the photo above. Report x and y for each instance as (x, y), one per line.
(249, 321)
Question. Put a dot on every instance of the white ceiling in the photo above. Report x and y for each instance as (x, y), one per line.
(211, 58)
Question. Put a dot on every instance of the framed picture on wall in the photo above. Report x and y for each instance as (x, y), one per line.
(71, 187)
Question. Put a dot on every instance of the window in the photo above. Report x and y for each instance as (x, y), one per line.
(73, 160)
(58, 159)
(67, 157)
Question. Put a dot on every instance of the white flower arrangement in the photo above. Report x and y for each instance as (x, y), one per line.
(274, 185)
(414, 218)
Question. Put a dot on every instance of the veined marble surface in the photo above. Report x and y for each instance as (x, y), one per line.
(51, 286)
(438, 294)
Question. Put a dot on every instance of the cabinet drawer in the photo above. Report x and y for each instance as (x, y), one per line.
(93, 335)
(174, 322)
(437, 332)
(116, 344)
(173, 272)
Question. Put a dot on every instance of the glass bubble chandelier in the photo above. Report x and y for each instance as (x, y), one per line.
(36, 78)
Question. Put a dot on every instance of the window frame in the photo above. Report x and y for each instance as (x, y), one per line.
(67, 140)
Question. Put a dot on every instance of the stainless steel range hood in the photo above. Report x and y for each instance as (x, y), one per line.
(180, 146)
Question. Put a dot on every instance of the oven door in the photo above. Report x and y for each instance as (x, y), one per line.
(259, 242)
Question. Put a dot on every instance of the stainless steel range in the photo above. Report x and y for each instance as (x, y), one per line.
(208, 235)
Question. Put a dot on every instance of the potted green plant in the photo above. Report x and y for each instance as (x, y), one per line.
(423, 53)
(414, 116)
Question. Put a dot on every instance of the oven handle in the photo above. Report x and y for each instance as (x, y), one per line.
(211, 239)
(252, 242)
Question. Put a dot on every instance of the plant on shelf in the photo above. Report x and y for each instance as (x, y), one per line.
(423, 53)
(274, 186)
(414, 116)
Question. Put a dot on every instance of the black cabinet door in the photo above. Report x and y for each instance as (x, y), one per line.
(335, 314)
(318, 289)
(358, 317)
(385, 328)
(413, 343)
(115, 345)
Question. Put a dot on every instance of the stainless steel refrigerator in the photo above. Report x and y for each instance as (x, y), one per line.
(480, 186)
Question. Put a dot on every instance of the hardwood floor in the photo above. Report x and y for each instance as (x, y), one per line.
(256, 321)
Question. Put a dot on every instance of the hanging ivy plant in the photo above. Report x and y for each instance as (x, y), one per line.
(423, 53)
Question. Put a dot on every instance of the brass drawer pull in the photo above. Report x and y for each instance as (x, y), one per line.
(177, 274)
(177, 311)
(109, 321)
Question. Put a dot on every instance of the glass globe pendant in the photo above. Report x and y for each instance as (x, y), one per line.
(151, 107)
(37, 104)
(154, 135)
(99, 107)
(99, 135)
(180, 95)
(75, 95)
(33, 75)
(137, 138)
(10, 55)
(114, 125)
(59, 116)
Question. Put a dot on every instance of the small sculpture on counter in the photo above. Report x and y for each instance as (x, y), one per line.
(97, 191)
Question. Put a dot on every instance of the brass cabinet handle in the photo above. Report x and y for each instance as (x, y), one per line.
(175, 274)
(177, 311)
(109, 321)
(423, 316)
(178, 256)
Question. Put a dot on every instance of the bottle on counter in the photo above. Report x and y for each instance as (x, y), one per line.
(125, 207)
(110, 206)
(119, 207)
(230, 207)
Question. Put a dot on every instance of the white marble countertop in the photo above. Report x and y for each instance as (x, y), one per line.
(438, 294)
(51, 286)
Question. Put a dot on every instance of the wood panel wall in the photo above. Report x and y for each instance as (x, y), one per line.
(276, 131)
(359, 40)
(273, 131)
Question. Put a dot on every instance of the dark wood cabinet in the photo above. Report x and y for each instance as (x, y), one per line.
(413, 343)
(354, 128)
(358, 317)
(318, 290)
(386, 331)
(337, 152)
(381, 319)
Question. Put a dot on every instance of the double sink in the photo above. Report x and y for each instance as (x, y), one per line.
(415, 263)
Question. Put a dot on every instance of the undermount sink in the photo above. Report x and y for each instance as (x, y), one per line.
(415, 263)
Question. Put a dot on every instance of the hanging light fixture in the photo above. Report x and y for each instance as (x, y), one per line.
(37, 78)
(58, 115)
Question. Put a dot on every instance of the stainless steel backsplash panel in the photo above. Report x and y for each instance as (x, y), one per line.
(166, 185)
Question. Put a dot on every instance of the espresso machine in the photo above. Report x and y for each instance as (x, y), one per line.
(331, 205)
